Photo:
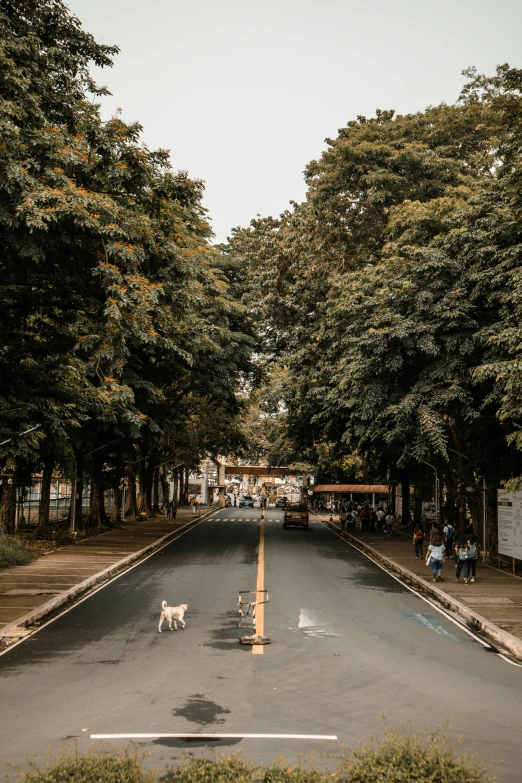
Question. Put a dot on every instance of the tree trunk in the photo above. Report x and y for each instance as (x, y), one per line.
(149, 475)
(80, 483)
(175, 493)
(164, 488)
(45, 492)
(475, 507)
(155, 492)
(450, 509)
(116, 507)
(179, 498)
(462, 506)
(405, 493)
(492, 513)
(142, 488)
(132, 500)
(417, 508)
(97, 515)
(8, 503)
(186, 488)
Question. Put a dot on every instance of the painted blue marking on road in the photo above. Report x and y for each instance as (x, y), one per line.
(428, 621)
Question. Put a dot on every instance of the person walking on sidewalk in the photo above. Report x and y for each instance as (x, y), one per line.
(168, 508)
(435, 530)
(472, 557)
(418, 542)
(449, 532)
(462, 550)
(389, 520)
(365, 517)
(174, 509)
(435, 558)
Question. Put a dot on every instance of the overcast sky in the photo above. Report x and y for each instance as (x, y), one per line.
(244, 93)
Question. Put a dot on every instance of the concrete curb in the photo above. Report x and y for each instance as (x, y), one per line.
(471, 619)
(68, 596)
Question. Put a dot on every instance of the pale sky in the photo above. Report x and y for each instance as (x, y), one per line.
(244, 93)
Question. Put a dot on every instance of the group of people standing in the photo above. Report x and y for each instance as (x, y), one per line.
(444, 544)
(365, 518)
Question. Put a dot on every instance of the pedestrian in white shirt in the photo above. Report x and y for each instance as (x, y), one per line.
(435, 558)
(449, 532)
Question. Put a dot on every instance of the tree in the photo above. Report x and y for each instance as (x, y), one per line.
(115, 307)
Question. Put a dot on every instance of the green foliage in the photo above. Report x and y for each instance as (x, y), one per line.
(416, 758)
(396, 758)
(118, 319)
(93, 767)
(216, 770)
(284, 773)
(12, 552)
(392, 295)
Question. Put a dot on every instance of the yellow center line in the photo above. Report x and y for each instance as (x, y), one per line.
(258, 649)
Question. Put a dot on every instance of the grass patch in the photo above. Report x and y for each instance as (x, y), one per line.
(12, 552)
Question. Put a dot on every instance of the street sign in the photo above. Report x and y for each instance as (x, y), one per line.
(510, 523)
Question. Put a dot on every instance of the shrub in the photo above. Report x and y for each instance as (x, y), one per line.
(415, 758)
(93, 767)
(12, 552)
(410, 758)
(282, 773)
(217, 770)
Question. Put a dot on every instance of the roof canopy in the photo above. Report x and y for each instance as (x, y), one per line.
(378, 489)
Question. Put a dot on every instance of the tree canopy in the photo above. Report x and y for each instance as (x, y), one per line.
(117, 318)
(391, 294)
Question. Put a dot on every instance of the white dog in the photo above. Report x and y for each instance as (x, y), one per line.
(172, 613)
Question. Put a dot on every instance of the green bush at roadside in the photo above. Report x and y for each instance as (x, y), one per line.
(93, 767)
(408, 758)
(12, 553)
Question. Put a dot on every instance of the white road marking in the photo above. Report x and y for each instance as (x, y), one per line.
(216, 736)
(427, 600)
(513, 663)
(312, 625)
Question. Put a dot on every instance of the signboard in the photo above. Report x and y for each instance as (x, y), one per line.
(510, 523)
(429, 511)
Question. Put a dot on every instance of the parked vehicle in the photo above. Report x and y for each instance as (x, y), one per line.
(296, 514)
(246, 502)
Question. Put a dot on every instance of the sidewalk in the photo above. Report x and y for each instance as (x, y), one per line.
(494, 598)
(30, 592)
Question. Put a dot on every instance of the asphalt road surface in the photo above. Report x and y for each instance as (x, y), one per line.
(349, 643)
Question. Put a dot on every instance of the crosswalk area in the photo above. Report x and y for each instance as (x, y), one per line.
(233, 519)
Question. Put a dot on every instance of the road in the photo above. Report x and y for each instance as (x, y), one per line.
(349, 643)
